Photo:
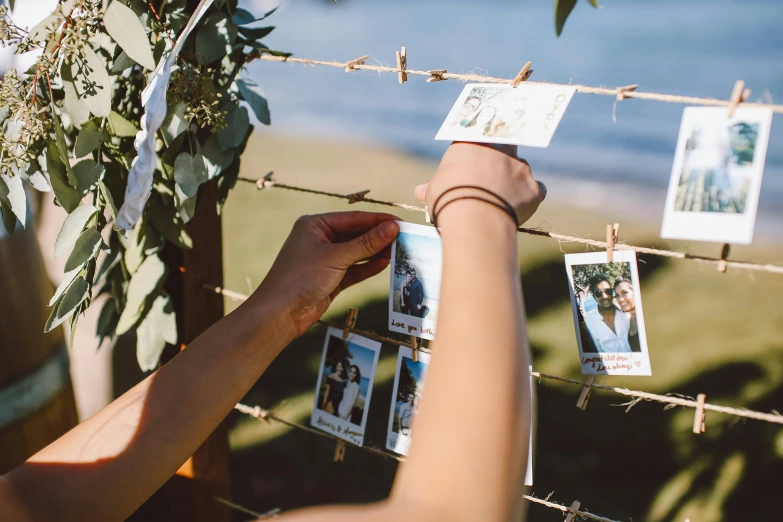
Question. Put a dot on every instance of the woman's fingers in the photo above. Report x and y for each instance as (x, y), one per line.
(358, 273)
(542, 190)
(421, 192)
(355, 221)
(366, 245)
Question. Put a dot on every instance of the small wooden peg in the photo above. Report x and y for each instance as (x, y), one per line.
(427, 218)
(699, 416)
(357, 196)
(724, 253)
(339, 451)
(585, 395)
(436, 75)
(612, 235)
(402, 64)
(738, 95)
(621, 91)
(350, 322)
(572, 511)
(349, 66)
(266, 181)
(523, 75)
(415, 348)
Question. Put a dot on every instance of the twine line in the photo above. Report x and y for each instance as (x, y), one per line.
(441, 74)
(266, 182)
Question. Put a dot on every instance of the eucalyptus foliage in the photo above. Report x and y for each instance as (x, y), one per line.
(69, 124)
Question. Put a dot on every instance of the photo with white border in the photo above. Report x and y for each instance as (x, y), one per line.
(716, 177)
(345, 380)
(408, 388)
(499, 113)
(601, 292)
(414, 294)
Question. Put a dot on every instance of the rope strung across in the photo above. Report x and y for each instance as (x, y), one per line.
(445, 75)
(266, 415)
(267, 182)
(669, 399)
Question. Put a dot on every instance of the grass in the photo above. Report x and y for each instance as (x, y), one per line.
(718, 334)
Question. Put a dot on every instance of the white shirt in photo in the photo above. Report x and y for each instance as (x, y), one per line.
(607, 341)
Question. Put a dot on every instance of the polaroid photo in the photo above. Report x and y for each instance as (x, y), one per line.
(414, 297)
(499, 113)
(716, 178)
(407, 392)
(606, 301)
(345, 381)
(529, 471)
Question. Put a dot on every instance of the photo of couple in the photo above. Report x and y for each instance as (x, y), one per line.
(406, 396)
(417, 258)
(607, 304)
(345, 382)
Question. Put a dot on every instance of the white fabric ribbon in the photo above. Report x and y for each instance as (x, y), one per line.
(153, 99)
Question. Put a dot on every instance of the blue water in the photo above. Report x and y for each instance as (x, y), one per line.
(689, 47)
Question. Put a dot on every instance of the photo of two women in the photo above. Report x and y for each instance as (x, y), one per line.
(346, 379)
(606, 307)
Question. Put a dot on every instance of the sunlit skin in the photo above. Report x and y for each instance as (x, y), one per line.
(354, 374)
(625, 297)
(604, 296)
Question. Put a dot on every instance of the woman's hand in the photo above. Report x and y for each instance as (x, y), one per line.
(319, 259)
(494, 167)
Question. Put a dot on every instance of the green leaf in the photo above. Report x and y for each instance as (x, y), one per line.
(109, 199)
(237, 122)
(72, 229)
(40, 31)
(186, 205)
(158, 328)
(121, 63)
(66, 195)
(225, 183)
(64, 284)
(244, 17)
(9, 219)
(253, 95)
(126, 29)
(33, 175)
(190, 172)
(62, 148)
(120, 126)
(87, 173)
(166, 221)
(595, 3)
(5, 111)
(255, 33)
(143, 283)
(68, 303)
(175, 123)
(215, 38)
(563, 8)
(85, 249)
(13, 196)
(215, 158)
(107, 321)
(92, 83)
(90, 138)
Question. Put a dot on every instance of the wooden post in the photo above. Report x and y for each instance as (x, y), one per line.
(36, 398)
(190, 494)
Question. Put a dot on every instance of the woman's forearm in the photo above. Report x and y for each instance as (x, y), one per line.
(478, 380)
(143, 437)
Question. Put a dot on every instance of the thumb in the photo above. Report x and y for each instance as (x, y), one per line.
(421, 191)
(368, 244)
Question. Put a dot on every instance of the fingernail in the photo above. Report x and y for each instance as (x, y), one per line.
(389, 229)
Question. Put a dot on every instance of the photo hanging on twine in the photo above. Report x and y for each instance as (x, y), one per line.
(606, 301)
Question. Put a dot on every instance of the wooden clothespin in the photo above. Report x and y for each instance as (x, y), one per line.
(415, 348)
(357, 196)
(266, 181)
(436, 75)
(349, 66)
(724, 253)
(612, 235)
(738, 95)
(621, 91)
(585, 395)
(427, 218)
(402, 64)
(572, 511)
(523, 75)
(699, 416)
(350, 322)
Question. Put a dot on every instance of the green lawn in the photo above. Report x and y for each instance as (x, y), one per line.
(719, 334)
